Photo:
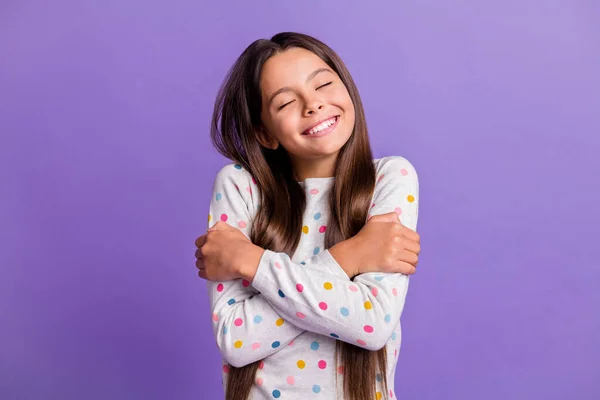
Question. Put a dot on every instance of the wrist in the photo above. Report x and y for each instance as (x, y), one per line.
(249, 264)
(345, 254)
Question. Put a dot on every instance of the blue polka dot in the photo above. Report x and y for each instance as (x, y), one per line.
(281, 293)
(344, 311)
(316, 388)
(302, 262)
(379, 278)
(378, 377)
(388, 318)
(316, 251)
(225, 330)
(276, 393)
(219, 196)
(393, 335)
(314, 345)
(238, 166)
(231, 301)
(318, 215)
(334, 335)
(275, 344)
(257, 319)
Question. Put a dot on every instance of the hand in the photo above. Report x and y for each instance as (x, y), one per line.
(224, 253)
(385, 245)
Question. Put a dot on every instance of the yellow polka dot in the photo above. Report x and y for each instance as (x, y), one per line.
(301, 364)
(305, 229)
(410, 198)
(328, 286)
(378, 395)
(368, 305)
(279, 322)
(238, 344)
(209, 217)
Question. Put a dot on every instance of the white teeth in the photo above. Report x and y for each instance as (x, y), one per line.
(322, 126)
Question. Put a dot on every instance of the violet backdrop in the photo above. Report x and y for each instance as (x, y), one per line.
(106, 172)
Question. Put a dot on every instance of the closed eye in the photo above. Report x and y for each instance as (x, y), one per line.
(281, 107)
(329, 83)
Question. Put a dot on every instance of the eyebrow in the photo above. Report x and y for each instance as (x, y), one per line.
(310, 76)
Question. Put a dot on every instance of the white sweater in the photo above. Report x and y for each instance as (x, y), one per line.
(296, 308)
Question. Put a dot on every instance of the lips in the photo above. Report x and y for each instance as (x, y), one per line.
(321, 125)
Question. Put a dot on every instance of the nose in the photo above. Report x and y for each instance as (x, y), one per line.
(312, 107)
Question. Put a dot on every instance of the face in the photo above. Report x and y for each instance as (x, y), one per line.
(307, 109)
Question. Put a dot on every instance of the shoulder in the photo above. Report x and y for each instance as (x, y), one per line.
(395, 166)
(234, 173)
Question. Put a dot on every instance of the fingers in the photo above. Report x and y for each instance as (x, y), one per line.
(412, 246)
(388, 217)
(201, 240)
(406, 268)
(220, 226)
(200, 264)
(410, 234)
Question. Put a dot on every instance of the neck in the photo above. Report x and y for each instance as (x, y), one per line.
(321, 168)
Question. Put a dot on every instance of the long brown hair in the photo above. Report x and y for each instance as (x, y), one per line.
(278, 223)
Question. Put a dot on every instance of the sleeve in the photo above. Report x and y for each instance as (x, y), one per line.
(245, 325)
(318, 296)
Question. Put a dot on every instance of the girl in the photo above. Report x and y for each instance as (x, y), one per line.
(306, 259)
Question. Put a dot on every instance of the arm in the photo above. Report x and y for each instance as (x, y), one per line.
(245, 325)
(320, 297)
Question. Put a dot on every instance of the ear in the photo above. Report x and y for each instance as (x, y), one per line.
(266, 140)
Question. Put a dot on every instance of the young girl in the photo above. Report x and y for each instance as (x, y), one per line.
(306, 258)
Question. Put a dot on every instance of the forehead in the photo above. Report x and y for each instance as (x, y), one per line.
(288, 68)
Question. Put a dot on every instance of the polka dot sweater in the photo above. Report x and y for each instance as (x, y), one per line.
(296, 308)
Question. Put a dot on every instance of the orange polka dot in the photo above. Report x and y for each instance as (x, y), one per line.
(305, 229)
(410, 198)
(378, 395)
(301, 364)
(238, 344)
(368, 305)
(279, 322)
(328, 286)
(209, 217)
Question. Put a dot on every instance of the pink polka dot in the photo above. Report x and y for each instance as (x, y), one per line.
(404, 172)
(340, 369)
(391, 393)
(361, 342)
(299, 287)
(398, 210)
(245, 283)
(322, 364)
(215, 317)
(261, 364)
(226, 368)
(314, 191)
(323, 305)
(259, 381)
(380, 178)
(394, 292)
(300, 315)
(277, 265)
(290, 380)
(372, 205)
(255, 346)
(224, 217)
(353, 288)
(322, 229)
(242, 224)
(254, 181)
(291, 342)
(395, 353)
(238, 322)
(368, 328)
(374, 291)
(220, 287)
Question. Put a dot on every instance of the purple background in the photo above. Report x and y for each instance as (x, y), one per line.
(106, 173)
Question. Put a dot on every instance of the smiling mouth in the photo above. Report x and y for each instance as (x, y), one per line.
(323, 127)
